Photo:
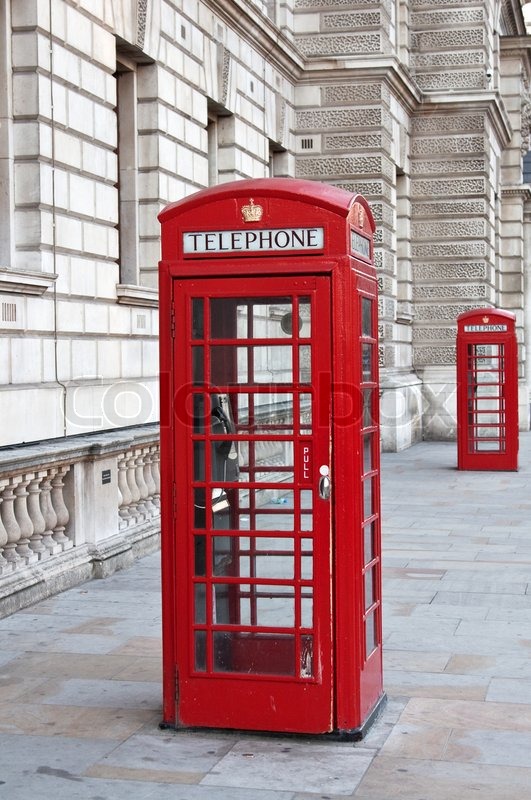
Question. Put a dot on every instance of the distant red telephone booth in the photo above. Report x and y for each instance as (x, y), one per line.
(487, 390)
(270, 460)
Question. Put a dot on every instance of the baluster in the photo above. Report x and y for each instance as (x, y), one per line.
(60, 509)
(50, 517)
(124, 510)
(5, 566)
(24, 520)
(133, 488)
(142, 486)
(34, 510)
(10, 524)
(155, 471)
(150, 483)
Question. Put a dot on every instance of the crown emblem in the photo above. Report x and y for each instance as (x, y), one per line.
(252, 212)
(486, 319)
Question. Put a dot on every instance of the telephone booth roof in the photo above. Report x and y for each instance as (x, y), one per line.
(344, 217)
(467, 316)
(322, 195)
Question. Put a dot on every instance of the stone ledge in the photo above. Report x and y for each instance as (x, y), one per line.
(133, 295)
(15, 281)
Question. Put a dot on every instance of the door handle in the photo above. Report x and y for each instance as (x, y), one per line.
(324, 483)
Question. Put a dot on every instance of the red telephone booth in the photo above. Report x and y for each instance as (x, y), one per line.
(487, 390)
(270, 457)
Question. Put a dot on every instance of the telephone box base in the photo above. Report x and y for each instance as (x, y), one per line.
(352, 735)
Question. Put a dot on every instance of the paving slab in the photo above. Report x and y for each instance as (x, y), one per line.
(80, 673)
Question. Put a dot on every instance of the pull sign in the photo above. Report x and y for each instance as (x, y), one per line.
(305, 454)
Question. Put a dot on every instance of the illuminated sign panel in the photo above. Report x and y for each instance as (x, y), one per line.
(253, 241)
(484, 328)
(360, 244)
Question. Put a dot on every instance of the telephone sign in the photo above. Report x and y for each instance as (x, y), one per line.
(271, 504)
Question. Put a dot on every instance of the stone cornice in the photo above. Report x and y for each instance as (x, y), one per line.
(522, 190)
(460, 100)
(374, 68)
(132, 295)
(16, 281)
(246, 20)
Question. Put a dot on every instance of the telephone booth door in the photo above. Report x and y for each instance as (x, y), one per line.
(487, 390)
(254, 640)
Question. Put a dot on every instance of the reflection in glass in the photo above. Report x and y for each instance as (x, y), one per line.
(307, 545)
(306, 497)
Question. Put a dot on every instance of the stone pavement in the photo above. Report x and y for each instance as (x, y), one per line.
(80, 673)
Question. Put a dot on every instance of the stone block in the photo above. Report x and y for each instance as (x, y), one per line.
(78, 30)
(68, 233)
(131, 358)
(105, 125)
(107, 276)
(85, 408)
(80, 113)
(95, 239)
(70, 317)
(109, 358)
(81, 195)
(82, 276)
(68, 149)
(96, 318)
(20, 423)
(25, 95)
(84, 359)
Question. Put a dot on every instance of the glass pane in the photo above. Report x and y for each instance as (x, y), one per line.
(368, 543)
(306, 522)
(307, 608)
(199, 461)
(272, 318)
(371, 640)
(272, 364)
(198, 365)
(306, 496)
(306, 657)
(367, 421)
(369, 588)
(224, 604)
(228, 318)
(307, 545)
(263, 458)
(198, 328)
(275, 605)
(254, 653)
(366, 316)
(199, 603)
(307, 568)
(224, 555)
(367, 352)
(305, 363)
(228, 365)
(306, 413)
(265, 412)
(367, 452)
(305, 320)
(367, 497)
(200, 556)
(200, 650)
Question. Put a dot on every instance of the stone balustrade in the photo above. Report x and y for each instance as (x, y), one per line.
(75, 508)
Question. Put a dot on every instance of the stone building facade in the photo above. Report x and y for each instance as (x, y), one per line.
(110, 109)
